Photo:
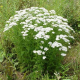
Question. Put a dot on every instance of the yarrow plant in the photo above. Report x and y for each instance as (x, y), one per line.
(37, 32)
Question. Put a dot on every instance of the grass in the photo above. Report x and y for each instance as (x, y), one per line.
(71, 61)
(73, 58)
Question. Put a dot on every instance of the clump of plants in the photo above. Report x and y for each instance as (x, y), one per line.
(40, 37)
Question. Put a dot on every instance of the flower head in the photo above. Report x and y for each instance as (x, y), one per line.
(45, 49)
(63, 54)
(44, 57)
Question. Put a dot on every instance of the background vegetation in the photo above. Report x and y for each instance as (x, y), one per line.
(69, 9)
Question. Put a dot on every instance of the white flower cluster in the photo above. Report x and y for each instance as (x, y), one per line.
(40, 52)
(42, 22)
(64, 37)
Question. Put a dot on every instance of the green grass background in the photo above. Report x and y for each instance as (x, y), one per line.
(69, 9)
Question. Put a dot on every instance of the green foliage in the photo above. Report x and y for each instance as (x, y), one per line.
(2, 53)
(34, 75)
(66, 79)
